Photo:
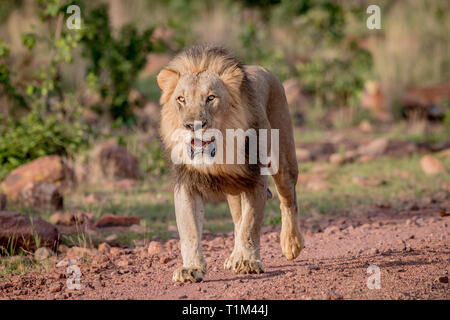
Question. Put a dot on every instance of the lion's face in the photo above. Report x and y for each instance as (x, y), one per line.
(201, 98)
(203, 94)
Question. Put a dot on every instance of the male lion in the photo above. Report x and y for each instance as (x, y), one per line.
(206, 87)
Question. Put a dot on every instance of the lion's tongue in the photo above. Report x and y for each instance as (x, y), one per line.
(197, 143)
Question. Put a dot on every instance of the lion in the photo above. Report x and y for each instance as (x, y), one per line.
(206, 87)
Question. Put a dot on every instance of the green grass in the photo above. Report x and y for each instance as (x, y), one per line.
(347, 196)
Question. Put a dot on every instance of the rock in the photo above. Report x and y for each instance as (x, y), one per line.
(332, 295)
(42, 254)
(63, 248)
(331, 230)
(165, 259)
(136, 228)
(313, 267)
(49, 169)
(104, 247)
(3, 201)
(41, 195)
(69, 218)
(364, 159)
(110, 220)
(116, 251)
(431, 166)
(56, 287)
(93, 198)
(375, 148)
(443, 279)
(445, 153)
(79, 252)
(374, 251)
(365, 126)
(155, 248)
(66, 262)
(303, 155)
(111, 237)
(118, 163)
(337, 158)
(123, 263)
(24, 230)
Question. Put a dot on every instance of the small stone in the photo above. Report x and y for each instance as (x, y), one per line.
(124, 263)
(42, 254)
(57, 287)
(314, 267)
(115, 251)
(374, 251)
(111, 237)
(66, 262)
(432, 166)
(337, 158)
(155, 248)
(443, 279)
(331, 230)
(104, 247)
(165, 259)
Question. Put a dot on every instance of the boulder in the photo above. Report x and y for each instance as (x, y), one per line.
(43, 253)
(48, 169)
(71, 218)
(375, 148)
(118, 163)
(431, 166)
(41, 195)
(22, 231)
(110, 220)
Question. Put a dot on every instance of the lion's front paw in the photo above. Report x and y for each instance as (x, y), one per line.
(291, 243)
(184, 274)
(240, 265)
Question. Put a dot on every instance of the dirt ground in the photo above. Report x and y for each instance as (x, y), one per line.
(411, 247)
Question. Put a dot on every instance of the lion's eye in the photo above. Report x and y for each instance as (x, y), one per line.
(180, 99)
(210, 98)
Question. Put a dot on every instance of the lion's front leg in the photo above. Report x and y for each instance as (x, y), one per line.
(245, 257)
(189, 212)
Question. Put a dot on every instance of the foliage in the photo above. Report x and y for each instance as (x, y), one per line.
(114, 62)
(337, 81)
(54, 123)
(38, 134)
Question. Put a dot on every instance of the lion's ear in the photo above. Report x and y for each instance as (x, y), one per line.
(167, 81)
(232, 79)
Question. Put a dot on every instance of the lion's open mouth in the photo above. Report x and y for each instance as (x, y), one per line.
(199, 146)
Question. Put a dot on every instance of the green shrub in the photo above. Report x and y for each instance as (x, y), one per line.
(114, 62)
(38, 134)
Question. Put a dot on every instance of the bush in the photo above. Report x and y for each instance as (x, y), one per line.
(114, 62)
(38, 134)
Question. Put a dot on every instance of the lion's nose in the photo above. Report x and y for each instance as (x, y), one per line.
(196, 125)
